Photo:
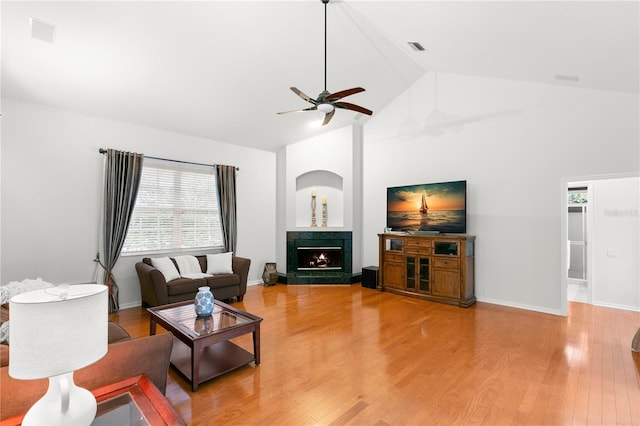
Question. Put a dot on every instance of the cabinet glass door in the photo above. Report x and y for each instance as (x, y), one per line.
(424, 274)
(411, 272)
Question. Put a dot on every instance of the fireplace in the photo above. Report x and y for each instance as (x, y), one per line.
(318, 258)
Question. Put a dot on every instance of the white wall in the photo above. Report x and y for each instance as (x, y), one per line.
(52, 185)
(513, 142)
(615, 243)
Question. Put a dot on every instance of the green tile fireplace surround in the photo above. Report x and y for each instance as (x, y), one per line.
(305, 247)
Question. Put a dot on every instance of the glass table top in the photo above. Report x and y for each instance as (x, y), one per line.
(119, 410)
(184, 316)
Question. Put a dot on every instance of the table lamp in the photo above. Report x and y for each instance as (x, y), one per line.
(54, 332)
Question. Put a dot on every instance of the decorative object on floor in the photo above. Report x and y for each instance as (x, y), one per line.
(324, 211)
(313, 209)
(270, 274)
(204, 302)
(75, 336)
(328, 102)
(635, 343)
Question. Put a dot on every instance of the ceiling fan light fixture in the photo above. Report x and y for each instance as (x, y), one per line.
(326, 108)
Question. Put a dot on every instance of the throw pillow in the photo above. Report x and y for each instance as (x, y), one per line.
(219, 263)
(166, 267)
(188, 265)
(7, 291)
(4, 332)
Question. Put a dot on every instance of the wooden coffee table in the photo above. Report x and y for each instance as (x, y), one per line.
(201, 347)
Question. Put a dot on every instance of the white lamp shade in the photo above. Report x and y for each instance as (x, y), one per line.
(52, 335)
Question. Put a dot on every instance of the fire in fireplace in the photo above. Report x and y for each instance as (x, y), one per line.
(327, 258)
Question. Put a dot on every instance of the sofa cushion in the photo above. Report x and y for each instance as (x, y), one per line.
(166, 267)
(184, 285)
(225, 280)
(219, 263)
(4, 355)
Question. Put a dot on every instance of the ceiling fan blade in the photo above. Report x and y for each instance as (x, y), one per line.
(302, 95)
(312, 108)
(347, 105)
(343, 93)
(328, 116)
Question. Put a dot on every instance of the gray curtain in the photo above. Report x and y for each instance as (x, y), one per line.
(122, 179)
(226, 177)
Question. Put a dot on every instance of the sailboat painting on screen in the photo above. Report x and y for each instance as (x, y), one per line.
(433, 207)
(424, 208)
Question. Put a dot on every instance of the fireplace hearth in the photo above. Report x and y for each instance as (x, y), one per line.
(318, 258)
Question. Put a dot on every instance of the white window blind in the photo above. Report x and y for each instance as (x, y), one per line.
(176, 210)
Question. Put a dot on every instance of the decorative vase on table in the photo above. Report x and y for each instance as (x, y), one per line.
(203, 302)
(270, 274)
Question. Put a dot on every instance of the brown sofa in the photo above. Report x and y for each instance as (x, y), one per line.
(126, 357)
(157, 291)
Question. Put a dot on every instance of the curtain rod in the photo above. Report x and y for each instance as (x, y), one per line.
(104, 151)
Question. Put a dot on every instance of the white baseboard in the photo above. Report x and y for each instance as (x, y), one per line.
(521, 306)
(616, 306)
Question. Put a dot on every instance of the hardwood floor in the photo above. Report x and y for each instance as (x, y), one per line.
(352, 355)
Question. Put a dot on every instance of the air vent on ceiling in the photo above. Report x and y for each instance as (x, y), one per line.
(565, 77)
(416, 46)
(42, 30)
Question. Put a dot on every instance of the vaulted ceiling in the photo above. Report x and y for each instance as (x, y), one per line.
(221, 70)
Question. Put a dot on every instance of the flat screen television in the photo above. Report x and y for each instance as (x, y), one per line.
(431, 208)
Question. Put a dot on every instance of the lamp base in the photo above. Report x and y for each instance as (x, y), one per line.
(63, 404)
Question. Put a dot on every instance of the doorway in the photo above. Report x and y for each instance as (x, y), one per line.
(578, 209)
(605, 225)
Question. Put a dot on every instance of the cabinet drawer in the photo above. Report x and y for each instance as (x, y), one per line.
(419, 243)
(393, 257)
(441, 262)
(419, 250)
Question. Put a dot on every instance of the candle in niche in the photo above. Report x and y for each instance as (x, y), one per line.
(324, 199)
(313, 208)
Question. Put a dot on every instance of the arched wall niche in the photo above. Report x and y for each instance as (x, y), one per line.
(326, 184)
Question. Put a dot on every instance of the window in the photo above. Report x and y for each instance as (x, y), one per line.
(176, 210)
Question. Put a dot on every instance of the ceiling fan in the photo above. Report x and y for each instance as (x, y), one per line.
(328, 102)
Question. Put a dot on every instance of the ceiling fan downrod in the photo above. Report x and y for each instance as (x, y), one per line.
(325, 43)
